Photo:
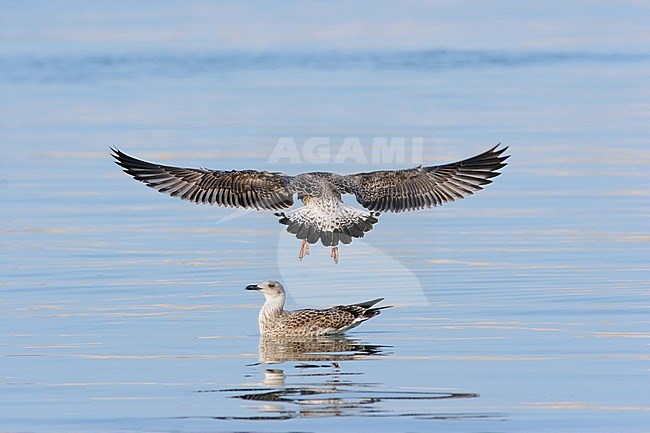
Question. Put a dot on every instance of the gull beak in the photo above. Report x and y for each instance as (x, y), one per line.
(253, 287)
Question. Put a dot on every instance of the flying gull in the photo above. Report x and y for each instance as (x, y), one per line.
(274, 321)
(324, 216)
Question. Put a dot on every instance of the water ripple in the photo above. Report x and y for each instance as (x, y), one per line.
(96, 67)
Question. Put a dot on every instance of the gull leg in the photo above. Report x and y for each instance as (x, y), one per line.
(304, 249)
(335, 254)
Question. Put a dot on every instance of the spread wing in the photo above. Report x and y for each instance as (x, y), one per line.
(235, 188)
(420, 187)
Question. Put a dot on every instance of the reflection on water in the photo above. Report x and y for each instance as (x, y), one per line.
(326, 348)
(327, 390)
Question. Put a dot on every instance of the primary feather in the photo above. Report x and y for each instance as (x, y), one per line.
(324, 217)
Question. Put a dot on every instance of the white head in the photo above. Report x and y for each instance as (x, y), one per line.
(275, 296)
(272, 290)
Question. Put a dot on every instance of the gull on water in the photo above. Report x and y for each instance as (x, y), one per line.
(275, 321)
(324, 217)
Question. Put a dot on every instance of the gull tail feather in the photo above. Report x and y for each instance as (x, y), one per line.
(344, 224)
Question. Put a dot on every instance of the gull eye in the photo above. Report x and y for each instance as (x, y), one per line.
(271, 284)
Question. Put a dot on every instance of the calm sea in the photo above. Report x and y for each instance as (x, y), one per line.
(522, 308)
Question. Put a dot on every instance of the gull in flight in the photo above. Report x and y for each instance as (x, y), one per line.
(274, 321)
(324, 217)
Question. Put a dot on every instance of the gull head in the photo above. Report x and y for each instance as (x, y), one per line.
(270, 289)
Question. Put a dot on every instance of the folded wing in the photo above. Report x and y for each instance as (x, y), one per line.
(236, 188)
(424, 187)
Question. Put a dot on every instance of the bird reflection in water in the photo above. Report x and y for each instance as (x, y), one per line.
(334, 348)
(317, 385)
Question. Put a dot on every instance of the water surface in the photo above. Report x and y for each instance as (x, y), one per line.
(523, 308)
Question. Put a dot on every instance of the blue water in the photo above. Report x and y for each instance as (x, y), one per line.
(522, 308)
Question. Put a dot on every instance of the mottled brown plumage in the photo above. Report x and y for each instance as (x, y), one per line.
(424, 187)
(275, 321)
(249, 189)
(324, 217)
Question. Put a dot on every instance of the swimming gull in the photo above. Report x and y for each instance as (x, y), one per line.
(324, 216)
(275, 321)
